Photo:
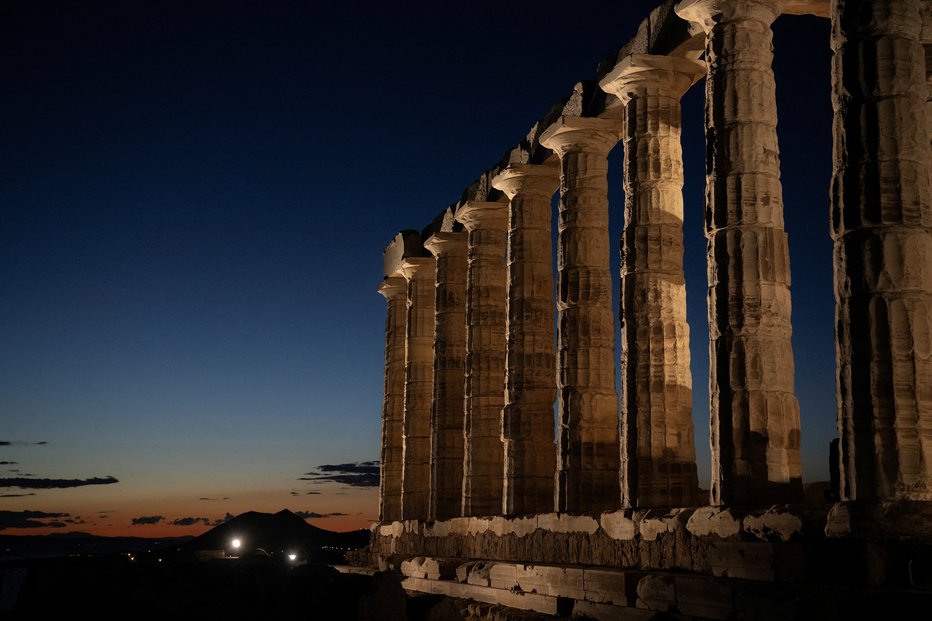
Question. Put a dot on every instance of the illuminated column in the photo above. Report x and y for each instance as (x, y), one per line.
(393, 406)
(588, 453)
(882, 226)
(419, 371)
(658, 453)
(485, 355)
(446, 418)
(754, 413)
(530, 383)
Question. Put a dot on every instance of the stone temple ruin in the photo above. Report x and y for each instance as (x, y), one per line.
(475, 500)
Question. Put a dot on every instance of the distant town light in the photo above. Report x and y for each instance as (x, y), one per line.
(236, 544)
(292, 557)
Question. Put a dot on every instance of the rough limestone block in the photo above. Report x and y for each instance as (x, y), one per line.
(550, 580)
(605, 612)
(713, 521)
(414, 567)
(439, 569)
(521, 526)
(503, 576)
(651, 525)
(656, 592)
(605, 586)
(775, 524)
(522, 601)
(478, 526)
(479, 573)
(735, 559)
(618, 525)
(703, 597)
(565, 523)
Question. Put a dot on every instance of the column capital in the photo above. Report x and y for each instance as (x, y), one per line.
(672, 75)
(482, 215)
(573, 132)
(443, 243)
(706, 13)
(517, 178)
(392, 286)
(411, 267)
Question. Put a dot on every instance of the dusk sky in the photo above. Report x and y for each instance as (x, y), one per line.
(194, 198)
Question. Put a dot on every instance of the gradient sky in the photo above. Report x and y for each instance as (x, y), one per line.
(193, 202)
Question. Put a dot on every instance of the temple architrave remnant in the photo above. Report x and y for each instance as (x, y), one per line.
(507, 446)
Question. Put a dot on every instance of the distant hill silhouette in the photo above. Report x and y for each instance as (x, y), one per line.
(276, 533)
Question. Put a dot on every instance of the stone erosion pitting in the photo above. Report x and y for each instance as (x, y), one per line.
(476, 501)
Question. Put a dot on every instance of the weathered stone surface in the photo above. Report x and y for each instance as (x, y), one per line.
(530, 391)
(447, 415)
(618, 525)
(713, 521)
(419, 372)
(485, 356)
(658, 454)
(775, 524)
(882, 227)
(737, 559)
(588, 453)
(395, 291)
(656, 592)
(606, 586)
(754, 413)
(702, 597)
(523, 601)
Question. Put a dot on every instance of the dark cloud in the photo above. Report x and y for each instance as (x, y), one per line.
(76, 520)
(312, 493)
(29, 519)
(314, 514)
(190, 521)
(17, 495)
(24, 483)
(9, 463)
(20, 443)
(229, 516)
(294, 493)
(360, 474)
(147, 519)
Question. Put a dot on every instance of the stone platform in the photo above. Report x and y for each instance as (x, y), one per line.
(702, 563)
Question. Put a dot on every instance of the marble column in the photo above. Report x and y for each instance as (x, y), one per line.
(588, 452)
(393, 406)
(754, 414)
(530, 387)
(882, 227)
(446, 417)
(485, 355)
(658, 452)
(419, 371)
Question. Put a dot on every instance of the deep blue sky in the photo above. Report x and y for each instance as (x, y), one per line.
(193, 202)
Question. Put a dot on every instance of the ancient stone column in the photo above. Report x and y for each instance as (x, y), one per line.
(530, 386)
(754, 413)
(882, 226)
(588, 451)
(446, 417)
(419, 371)
(485, 355)
(393, 406)
(658, 453)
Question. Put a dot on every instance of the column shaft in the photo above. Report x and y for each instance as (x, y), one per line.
(447, 414)
(419, 371)
(588, 453)
(485, 356)
(657, 446)
(882, 226)
(754, 413)
(530, 387)
(395, 291)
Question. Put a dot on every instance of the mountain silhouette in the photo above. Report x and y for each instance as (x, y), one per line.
(276, 533)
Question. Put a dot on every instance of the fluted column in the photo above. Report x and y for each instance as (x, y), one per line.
(485, 356)
(419, 371)
(530, 388)
(882, 226)
(393, 405)
(658, 452)
(446, 417)
(754, 413)
(588, 451)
